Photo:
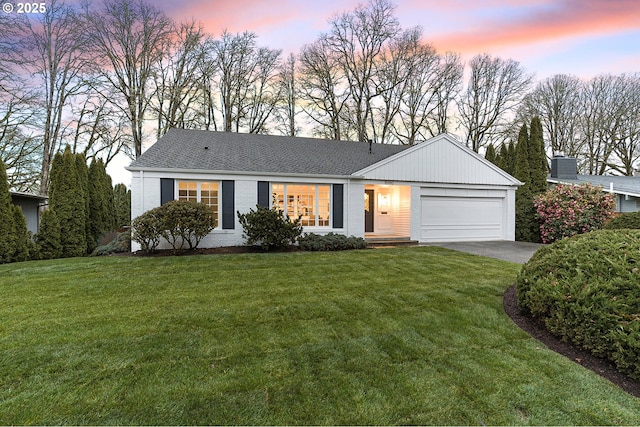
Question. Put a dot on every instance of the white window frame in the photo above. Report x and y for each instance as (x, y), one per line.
(316, 202)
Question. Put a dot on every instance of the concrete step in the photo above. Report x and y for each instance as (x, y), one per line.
(390, 241)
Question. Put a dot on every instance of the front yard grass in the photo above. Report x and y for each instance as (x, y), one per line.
(386, 336)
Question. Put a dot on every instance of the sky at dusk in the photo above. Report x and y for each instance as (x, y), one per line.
(580, 37)
(584, 38)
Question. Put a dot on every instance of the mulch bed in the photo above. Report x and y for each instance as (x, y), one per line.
(537, 330)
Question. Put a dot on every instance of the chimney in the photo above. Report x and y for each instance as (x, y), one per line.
(370, 145)
(564, 167)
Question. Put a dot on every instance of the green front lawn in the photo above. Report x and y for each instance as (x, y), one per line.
(386, 336)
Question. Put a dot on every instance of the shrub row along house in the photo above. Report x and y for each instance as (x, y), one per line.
(437, 190)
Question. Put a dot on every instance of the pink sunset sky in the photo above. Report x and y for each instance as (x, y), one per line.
(580, 37)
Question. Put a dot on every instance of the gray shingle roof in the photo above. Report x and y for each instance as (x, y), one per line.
(621, 184)
(239, 152)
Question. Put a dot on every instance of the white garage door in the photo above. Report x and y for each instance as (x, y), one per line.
(448, 219)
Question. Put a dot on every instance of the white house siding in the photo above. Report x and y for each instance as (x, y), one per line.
(471, 214)
(146, 186)
(439, 160)
(460, 183)
(354, 209)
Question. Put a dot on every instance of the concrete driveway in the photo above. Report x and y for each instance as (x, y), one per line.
(519, 252)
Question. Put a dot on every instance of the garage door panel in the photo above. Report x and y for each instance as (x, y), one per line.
(461, 218)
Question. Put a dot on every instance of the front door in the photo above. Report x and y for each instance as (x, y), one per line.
(368, 211)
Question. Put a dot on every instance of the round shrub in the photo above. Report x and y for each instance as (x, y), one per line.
(586, 289)
(185, 222)
(623, 221)
(269, 228)
(147, 228)
(567, 210)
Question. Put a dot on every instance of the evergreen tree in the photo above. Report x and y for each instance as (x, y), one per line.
(21, 236)
(525, 211)
(510, 160)
(107, 188)
(490, 154)
(122, 205)
(7, 235)
(501, 158)
(48, 238)
(83, 185)
(537, 159)
(66, 198)
(101, 207)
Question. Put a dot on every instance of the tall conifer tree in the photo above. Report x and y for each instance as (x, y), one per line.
(83, 185)
(510, 160)
(524, 199)
(537, 158)
(7, 235)
(122, 205)
(48, 243)
(66, 198)
(490, 154)
(21, 236)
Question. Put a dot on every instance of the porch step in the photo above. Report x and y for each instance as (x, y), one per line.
(390, 241)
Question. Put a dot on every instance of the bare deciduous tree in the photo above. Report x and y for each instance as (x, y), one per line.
(323, 88)
(286, 111)
(557, 102)
(495, 88)
(245, 76)
(53, 54)
(358, 39)
(177, 81)
(128, 38)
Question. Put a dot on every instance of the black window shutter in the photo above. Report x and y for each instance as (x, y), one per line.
(338, 206)
(166, 190)
(263, 193)
(228, 205)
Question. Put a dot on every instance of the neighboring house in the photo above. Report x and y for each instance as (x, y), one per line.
(30, 205)
(626, 189)
(438, 190)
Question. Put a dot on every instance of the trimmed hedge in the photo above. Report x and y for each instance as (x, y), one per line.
(624, 221)
(586, 289)
(330, 242)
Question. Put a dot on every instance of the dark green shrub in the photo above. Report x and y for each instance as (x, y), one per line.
(586, 289)
(147, 229)
(48, 243)
(182, 221)
(625, 220)
(7, 237)
(21, 236)
(121, 244)
(178, 222)
(269, 228)
(330, 242)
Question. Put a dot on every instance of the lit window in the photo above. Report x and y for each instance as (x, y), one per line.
(204, 192)
(309, 202)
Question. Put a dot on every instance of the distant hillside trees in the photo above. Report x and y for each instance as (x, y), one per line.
(105, 69)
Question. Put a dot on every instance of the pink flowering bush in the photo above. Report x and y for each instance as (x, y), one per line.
(567, 210)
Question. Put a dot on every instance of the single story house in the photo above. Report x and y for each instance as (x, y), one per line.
(626, 189)
(30, 205)
(434, 191)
